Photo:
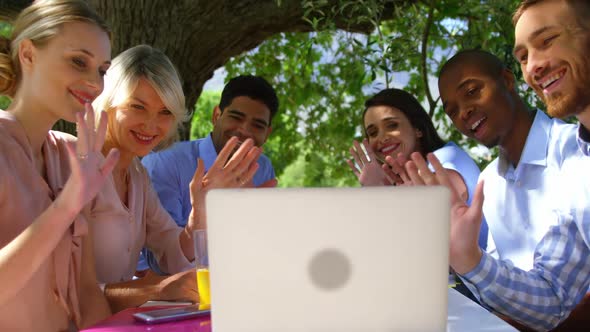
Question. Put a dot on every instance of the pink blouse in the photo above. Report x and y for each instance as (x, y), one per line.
(120, 232)
(49, 299)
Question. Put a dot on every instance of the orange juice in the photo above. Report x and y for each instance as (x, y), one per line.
(203, 287)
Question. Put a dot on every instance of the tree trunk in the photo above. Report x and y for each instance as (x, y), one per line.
(200, 36)
(9, 9)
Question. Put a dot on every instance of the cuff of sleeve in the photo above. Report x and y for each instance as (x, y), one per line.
(484, 274)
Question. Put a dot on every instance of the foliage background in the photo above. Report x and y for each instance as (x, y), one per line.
(5, 31)
(323, 77)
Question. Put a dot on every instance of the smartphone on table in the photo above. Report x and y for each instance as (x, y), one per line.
(170, 314)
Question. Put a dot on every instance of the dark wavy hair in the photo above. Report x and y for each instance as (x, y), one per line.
(254, 87)
(413, 110)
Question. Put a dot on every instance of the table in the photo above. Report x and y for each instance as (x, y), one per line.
(463, 315)
(123, 321)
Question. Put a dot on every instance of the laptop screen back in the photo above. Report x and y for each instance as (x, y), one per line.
(329, 259)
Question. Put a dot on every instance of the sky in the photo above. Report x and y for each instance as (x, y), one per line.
(400, 80)
(215, 83)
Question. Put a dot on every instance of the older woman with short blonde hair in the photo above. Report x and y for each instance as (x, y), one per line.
(144, 103)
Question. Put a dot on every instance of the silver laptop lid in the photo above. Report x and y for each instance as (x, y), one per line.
(329, 259)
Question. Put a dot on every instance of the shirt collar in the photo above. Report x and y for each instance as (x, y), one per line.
(535, 147)
(9, 124)
(583, 138)
(207, 152)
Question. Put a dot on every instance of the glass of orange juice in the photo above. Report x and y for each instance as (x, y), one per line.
(202, 262)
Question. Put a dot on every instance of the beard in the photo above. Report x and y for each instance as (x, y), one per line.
(563, 105)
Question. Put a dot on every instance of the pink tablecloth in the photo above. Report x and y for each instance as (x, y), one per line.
(123, 321)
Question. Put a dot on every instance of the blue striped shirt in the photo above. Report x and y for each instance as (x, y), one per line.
(545, 295)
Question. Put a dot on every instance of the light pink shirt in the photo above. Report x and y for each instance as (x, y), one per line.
(119, 232)
(50, 298)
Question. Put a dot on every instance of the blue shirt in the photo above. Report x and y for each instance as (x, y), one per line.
(545, 295)
(172, 170)
(579, 205)
(518, 200)
(453, 157)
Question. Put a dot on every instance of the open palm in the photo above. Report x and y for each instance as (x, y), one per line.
(366, 167)
(465, 220)
(236, 172)
(89, 169)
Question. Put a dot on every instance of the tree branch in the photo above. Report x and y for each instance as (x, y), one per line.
(424, 57)
(200, 36)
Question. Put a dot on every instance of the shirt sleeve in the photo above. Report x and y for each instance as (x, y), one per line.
(265, 171)
(544, 296)
(271, 171)
(165, 178)
(491, 246)
(162, 235)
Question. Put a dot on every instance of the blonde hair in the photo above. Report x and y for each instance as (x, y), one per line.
(151, 64)
(40, 22)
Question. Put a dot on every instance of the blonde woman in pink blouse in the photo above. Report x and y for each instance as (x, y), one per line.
(52, 67)
(145, 104)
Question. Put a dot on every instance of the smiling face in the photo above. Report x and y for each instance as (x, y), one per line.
(141, 123)
(244, 118)
(390, 132)
(552, 49)
(481, 106)
(68, 70)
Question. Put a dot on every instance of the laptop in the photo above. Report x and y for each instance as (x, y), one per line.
(329, 259)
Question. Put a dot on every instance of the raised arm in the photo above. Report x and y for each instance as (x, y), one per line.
(37, 242)
(539, 298)
(230, 170)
